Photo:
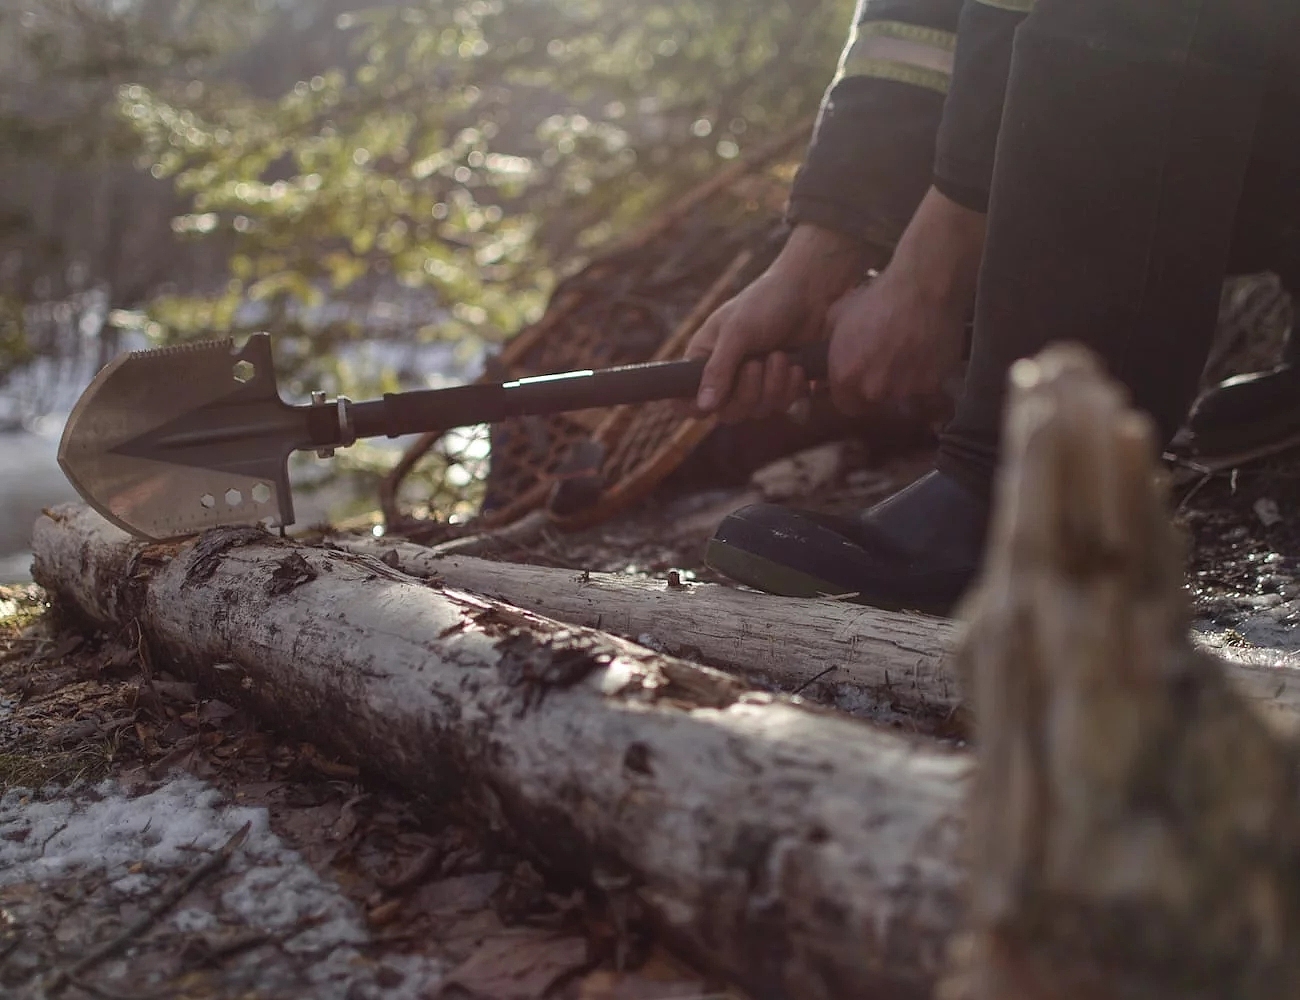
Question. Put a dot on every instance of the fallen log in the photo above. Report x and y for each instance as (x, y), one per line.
(1135, 827)
(876, 664)
(801, 853)
(885, 664)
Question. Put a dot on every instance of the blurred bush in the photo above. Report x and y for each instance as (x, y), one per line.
(449, 158)
(351, 175)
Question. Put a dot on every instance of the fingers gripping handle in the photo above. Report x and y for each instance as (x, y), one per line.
(437, 409)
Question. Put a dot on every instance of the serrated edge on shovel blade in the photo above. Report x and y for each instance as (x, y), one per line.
(100, 475)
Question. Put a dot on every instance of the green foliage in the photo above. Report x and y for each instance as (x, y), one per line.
(74, 214)
(62, 60)
(467, 150)
(14, 347)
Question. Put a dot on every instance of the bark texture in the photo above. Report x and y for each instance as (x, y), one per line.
(886, 664)
(872, 663)
(802, 853)
(1136, 822)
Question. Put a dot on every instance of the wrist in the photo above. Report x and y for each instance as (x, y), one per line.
(822, 262)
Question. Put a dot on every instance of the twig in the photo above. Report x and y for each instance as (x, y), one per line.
(518, 534)
(236, 945)
(425, 864)
(1187, 497)
(813, 680)
(105, 993)
(146, 920)
(46, 842)
(392, 482)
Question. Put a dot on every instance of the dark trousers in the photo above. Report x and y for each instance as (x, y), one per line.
(1148, 148)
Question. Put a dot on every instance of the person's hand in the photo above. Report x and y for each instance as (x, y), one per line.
(899, 339)
(893, 342)
(784, 307)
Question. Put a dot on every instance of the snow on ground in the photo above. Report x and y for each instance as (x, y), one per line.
(140, 843)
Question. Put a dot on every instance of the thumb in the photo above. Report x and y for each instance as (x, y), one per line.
(720, 371)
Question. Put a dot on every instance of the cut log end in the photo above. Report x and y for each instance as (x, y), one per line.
(1134, 823)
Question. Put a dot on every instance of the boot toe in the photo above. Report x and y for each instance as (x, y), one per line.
(802, 554)
(1246, 412)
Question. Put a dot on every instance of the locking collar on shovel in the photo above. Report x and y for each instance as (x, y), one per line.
(171, 442)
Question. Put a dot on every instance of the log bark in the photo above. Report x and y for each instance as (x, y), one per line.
(801, 853)
(875, 664)
(887, 665)
(1135, 821)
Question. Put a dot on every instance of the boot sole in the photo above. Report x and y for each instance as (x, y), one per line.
(1222, 460)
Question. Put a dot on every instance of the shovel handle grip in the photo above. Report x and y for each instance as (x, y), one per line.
(442, 409)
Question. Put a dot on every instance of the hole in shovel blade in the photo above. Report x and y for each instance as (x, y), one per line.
(261, 493)
(244, 371)
(234, 497)
(208, 500)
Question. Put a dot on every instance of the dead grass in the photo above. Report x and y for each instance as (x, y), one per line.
(89, 762)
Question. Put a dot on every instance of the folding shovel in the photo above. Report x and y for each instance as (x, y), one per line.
(174, 441)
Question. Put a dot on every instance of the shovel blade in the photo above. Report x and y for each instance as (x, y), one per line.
(164, 493)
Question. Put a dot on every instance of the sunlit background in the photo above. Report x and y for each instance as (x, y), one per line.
(389, 189)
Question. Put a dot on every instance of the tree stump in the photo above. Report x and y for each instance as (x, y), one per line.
(1134, 823)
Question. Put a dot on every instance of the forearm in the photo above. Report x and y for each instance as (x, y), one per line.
(939, 253)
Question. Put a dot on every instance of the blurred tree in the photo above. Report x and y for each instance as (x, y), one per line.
(466, 150)
(82, 230)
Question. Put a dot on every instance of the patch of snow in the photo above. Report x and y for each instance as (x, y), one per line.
(136, 842)
(193, 920)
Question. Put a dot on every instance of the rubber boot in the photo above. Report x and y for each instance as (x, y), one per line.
(1248, 416)
(919, 550)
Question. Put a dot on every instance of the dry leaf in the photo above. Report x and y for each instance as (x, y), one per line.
(458, 894)
(215, 711)
(520, 965)
(662, 977)
(385, 913)
(1266, 510)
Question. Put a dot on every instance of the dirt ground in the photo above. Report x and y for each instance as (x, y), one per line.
(1244, 539)
(155, 842)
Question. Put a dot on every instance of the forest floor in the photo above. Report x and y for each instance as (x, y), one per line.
(155, 842)
(122, 787)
